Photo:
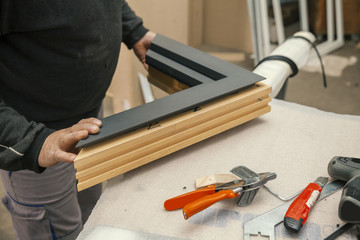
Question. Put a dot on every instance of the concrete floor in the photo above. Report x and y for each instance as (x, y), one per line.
(341, 96)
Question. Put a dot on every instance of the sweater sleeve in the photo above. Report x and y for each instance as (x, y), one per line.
(20, 141)
(132, 26)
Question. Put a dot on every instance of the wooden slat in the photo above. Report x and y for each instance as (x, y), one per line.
(165, 151)
(100, 152)
(158, 144)
(165, 82)
(108, 159)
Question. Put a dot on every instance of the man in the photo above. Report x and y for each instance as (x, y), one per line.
(57, 59)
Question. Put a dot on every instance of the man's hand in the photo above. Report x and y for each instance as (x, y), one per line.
(60, 145)
(141, 46)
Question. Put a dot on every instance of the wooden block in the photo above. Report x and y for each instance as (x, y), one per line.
(165, 82)
(108, 159)
(215, 179)
(137, 138)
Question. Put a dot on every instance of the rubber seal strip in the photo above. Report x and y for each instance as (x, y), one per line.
(291, 63)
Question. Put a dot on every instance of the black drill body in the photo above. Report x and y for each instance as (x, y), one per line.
(347, 169)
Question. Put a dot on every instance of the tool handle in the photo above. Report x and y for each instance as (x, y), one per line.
(184, 199)
(349, 206)
(205, 202)
(299, 209)
(344, 168)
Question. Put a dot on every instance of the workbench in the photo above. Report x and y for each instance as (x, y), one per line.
(294, 141)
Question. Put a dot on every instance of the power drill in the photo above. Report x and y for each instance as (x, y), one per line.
(347, 169)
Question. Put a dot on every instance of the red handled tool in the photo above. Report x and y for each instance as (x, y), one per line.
(299, 209)
(205, 202)
(186, 198)
(198, 200)
(182, 200)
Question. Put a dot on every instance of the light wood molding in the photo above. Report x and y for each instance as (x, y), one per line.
(111, 158)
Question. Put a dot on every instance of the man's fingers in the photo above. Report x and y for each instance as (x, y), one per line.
(91, 120)
(92, 125)
(60, 145)
(146, 66)
(72, 138)
(62, 156)
(89, 127)
(141, 46)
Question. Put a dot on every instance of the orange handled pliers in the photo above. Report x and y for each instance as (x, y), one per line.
(198, 200)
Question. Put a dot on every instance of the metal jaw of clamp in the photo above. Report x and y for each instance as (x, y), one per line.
(249, 176)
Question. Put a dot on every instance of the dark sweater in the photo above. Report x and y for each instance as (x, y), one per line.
(57, 59)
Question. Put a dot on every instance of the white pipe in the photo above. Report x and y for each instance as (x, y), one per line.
(255, 41)
(279, 25)
(304, 20)
(276, 72)
(259, 29)
(339, 22)
(265, 26)
(330, 20)
(146, 88)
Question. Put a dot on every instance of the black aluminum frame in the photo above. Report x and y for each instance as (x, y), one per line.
(209, 78)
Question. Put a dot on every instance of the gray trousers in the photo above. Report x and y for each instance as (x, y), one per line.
(47, 206)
